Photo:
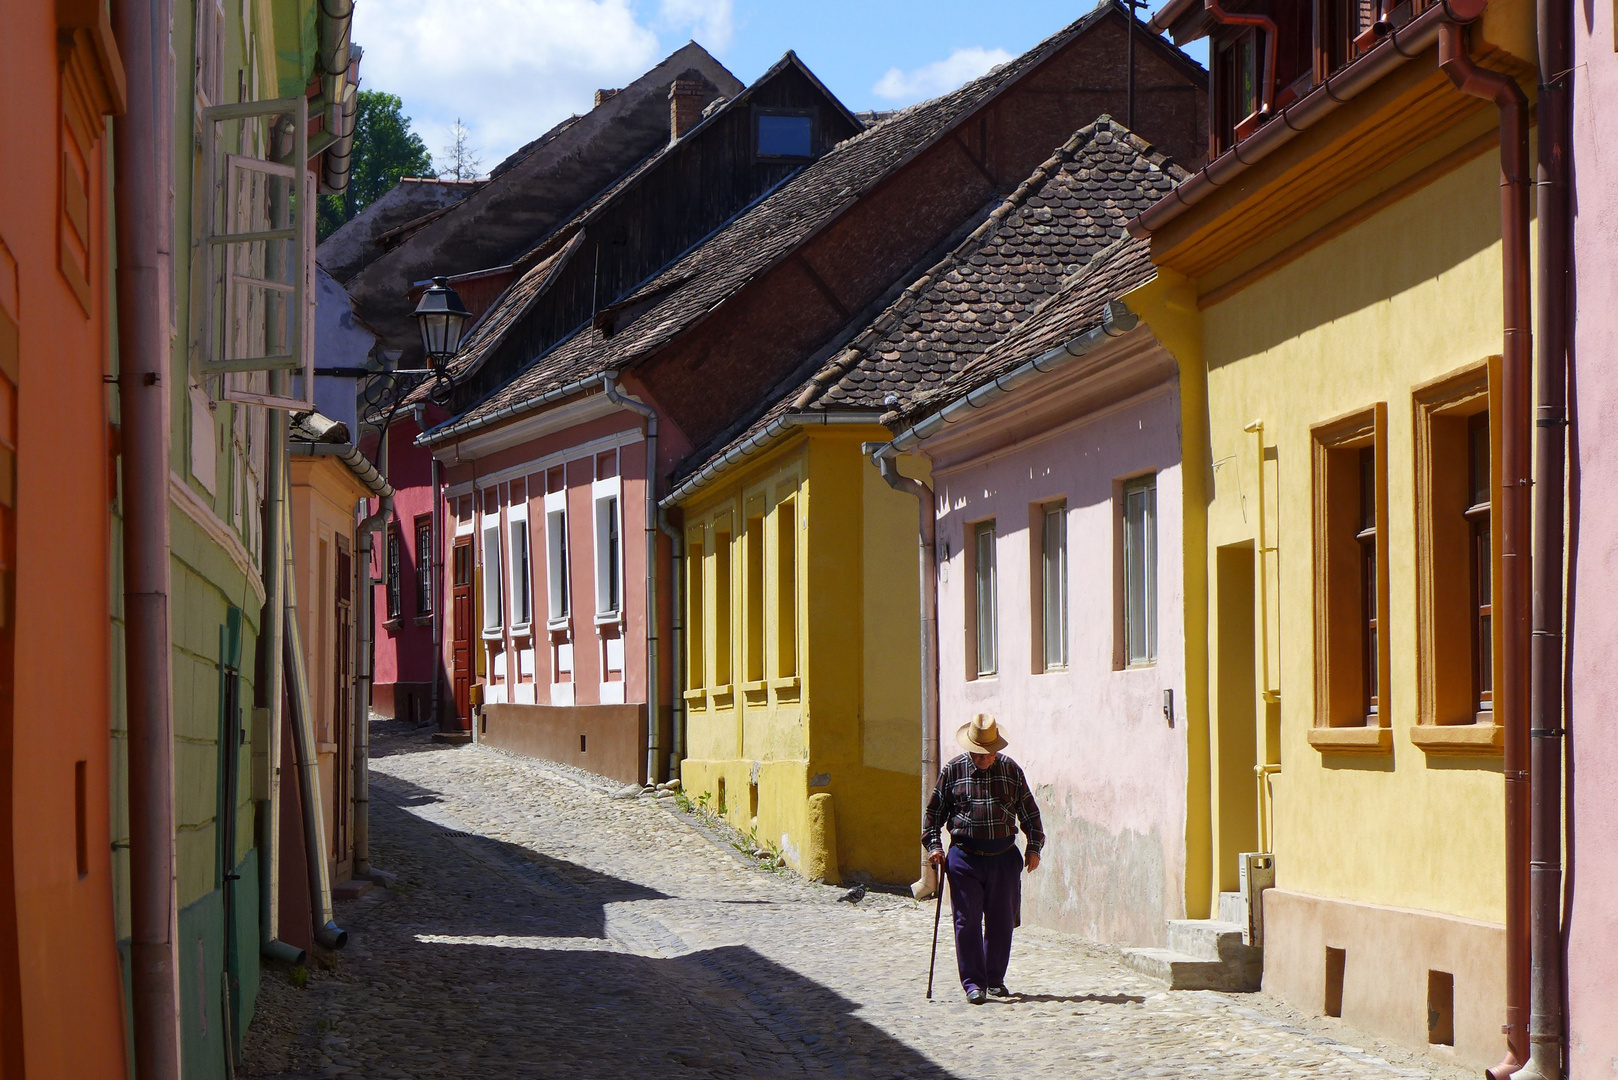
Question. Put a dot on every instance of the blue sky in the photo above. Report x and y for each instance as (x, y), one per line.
(509, 69)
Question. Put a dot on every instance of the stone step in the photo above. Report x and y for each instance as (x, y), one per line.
(1182, 972)
(1231, 908)
(1209, 939)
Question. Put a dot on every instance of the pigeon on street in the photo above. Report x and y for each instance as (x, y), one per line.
(852, 896)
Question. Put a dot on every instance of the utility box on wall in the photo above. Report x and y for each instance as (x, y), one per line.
(1257, 874)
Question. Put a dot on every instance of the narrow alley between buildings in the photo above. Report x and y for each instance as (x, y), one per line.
(541, 927)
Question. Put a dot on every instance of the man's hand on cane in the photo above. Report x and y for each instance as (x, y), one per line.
(936, 858)
(1031, 863)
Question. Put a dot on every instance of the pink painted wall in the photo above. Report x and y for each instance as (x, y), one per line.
(1107, 768)
(1592, 931)
(404, 652)
(570, 447)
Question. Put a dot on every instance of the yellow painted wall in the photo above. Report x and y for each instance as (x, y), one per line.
(847, 723)
(1408, 296)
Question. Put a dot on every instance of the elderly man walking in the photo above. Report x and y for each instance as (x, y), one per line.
(981, 797)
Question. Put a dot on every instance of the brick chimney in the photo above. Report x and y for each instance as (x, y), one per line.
(604, 95)
(686, 100)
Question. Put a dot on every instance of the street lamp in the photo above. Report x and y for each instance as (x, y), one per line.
(442, 317)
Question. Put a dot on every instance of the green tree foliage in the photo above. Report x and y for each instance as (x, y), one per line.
(385, 150)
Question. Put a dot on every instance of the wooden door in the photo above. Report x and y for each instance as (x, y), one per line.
(461, 620)
(343, 704)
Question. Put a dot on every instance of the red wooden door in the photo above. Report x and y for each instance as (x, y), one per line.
(461, 620)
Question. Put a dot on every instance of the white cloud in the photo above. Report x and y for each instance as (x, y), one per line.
(708, 21)
(938, 77)
(510, 69)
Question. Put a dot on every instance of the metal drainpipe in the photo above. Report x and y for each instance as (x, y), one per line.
(677, 645)
(1513, 702)
(142, 140)
(609, 383)
(883, 456)
(327, 933)
(436, 574)
(365, 610)
(1545, 1060)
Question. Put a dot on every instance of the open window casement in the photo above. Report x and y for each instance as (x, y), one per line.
(258, 241)
(493, 614)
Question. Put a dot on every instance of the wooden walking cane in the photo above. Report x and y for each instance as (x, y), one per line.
(938, 909)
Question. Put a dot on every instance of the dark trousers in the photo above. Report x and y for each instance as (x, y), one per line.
(985, 892)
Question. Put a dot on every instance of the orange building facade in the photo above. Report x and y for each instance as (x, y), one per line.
(61, 999)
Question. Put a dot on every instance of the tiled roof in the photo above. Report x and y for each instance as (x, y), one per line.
(1076, 308)
(709, 275)
(967, 307)
(502, 315)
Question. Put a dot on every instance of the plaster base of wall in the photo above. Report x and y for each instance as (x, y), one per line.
(1388, 954)
(609, 740)
(404, 701)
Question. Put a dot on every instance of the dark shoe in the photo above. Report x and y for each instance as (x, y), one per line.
(999, 991)
(976, 997)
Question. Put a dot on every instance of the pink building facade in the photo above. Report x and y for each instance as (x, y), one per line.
(1071, 486)
(407, 589)
(1592, 759)
(547, 584)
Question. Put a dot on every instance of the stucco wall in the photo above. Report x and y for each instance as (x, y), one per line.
(1592, 930)
(1409, 296)
(1106, 766)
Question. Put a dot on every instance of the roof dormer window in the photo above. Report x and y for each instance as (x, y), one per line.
(784, 134)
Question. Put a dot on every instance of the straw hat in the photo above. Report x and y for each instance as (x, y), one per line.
(981, 736)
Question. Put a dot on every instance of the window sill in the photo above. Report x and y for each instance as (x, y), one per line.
(526, 630)
(754, 685)
(694, 695)
(609, 618)
(553, 625)
(1352, 740)
(496, 634)
(1459, 738)
(423, 620)
(391, 624)
(788, 683)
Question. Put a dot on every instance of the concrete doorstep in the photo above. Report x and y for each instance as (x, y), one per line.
(1202, 954)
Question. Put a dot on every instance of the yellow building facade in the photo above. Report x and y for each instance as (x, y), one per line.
(1342, 307)
(802, 701)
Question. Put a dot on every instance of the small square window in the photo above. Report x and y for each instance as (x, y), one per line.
(785, 135)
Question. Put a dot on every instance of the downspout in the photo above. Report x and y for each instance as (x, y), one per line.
(609, 384)
(435, 576)
(677, 646)
(1545, 1060)
(1513, 702)
(142, 140)
(365, 611)
(885, 458)
(1260, 22)
(270, 689)
(327, 933)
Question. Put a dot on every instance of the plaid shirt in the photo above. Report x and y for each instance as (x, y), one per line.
(982, 804)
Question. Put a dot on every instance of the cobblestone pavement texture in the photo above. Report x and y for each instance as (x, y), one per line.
(541, 928)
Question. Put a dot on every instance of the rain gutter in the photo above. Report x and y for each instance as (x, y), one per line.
(349, 455)
(757, 442)
(515, 409)
(1116, 321)
(1402, 44)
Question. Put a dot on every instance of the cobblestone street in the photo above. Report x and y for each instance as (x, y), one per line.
(541, 928)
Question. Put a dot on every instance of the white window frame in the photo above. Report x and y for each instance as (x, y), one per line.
(608, 512)
(519, 555)
(219, 234)
(492, 593)
(1139, 570)
(558, 597)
